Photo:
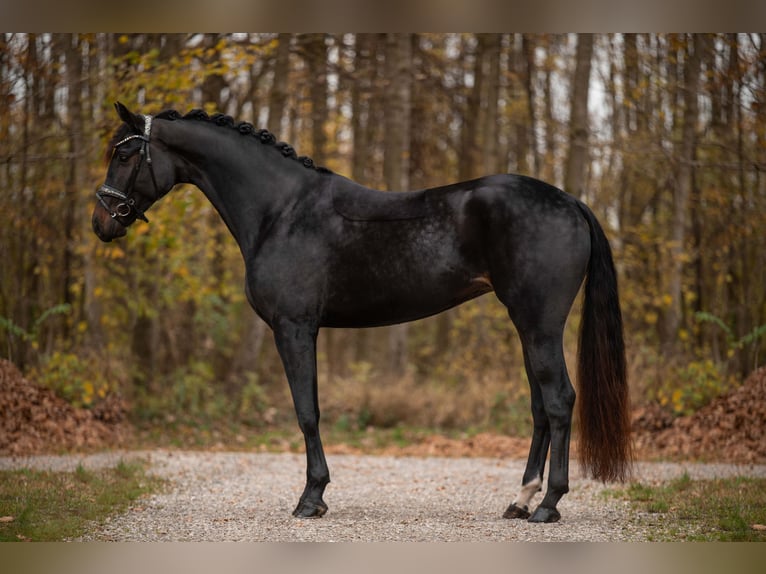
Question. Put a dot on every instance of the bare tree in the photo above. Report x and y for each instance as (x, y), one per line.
(682, 191)
(577, 158)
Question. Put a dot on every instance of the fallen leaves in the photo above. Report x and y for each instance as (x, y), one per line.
(36, 420)
(732, 428)
(480, 445)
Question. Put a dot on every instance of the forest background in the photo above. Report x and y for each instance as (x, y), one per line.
(663, 135)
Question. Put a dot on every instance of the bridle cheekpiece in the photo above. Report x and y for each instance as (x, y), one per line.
(127, 203)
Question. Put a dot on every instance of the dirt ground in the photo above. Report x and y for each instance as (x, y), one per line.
(732, 428)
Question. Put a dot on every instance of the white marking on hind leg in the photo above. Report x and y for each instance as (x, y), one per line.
(527, 492)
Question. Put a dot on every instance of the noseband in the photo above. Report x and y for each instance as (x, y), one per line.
(127, 204)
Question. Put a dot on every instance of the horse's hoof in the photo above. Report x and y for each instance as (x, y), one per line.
(543, 514)
(514, 511)
(306, 509)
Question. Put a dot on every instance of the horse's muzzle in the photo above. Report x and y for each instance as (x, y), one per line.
(106, 227)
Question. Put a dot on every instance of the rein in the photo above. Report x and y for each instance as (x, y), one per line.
(127, 203)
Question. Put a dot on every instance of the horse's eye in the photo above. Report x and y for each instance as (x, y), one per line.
(123, 157)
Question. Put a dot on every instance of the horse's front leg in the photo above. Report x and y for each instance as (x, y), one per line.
(296, 343)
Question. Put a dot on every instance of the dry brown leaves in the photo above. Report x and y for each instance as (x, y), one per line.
(34, 420)
(481, 445)
(732, 428)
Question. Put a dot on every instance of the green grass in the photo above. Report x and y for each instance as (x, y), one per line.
(732, 509)
(53, 506)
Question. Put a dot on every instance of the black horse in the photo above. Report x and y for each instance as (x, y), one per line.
(323, 251)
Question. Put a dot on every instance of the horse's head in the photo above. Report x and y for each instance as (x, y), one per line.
(139, 173)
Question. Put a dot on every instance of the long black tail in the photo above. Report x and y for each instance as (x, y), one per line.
(603, 402)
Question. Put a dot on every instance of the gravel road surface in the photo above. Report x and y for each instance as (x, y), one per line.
(215, 496)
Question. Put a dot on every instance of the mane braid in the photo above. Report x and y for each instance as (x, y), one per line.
(244, 128)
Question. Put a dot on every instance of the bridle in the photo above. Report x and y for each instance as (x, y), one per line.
(127, 203)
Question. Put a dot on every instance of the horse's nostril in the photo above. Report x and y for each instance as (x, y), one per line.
(99, 230)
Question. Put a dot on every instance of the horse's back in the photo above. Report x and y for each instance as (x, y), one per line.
(358, 203)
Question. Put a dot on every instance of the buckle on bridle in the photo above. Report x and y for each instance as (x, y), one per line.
(123, 208)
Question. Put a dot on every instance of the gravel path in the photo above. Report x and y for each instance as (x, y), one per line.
(250, 497)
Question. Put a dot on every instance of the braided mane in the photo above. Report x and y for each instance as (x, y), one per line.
(246, 129)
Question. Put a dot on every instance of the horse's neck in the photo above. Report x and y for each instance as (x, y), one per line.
(244, 181)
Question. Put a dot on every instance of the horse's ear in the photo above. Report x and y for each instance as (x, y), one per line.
(133, 120)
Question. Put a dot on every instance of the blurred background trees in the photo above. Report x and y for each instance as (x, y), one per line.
(663, 135)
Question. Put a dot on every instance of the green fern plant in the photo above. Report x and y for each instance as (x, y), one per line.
(732, 342)
(31, 335)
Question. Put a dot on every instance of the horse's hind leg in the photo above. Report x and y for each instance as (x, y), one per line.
(537, 262)
(540, 320)
(547, 368)
(532, 480)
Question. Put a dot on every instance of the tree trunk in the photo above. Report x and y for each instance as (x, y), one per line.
(316, 60)
(92, 311)
(468, 166)
(75, 180)
(528, 72)
(577, 158)
(214, 83)
(491, 44)
(278, 95)
(548, 170)
(686, 151)
(28, 294)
